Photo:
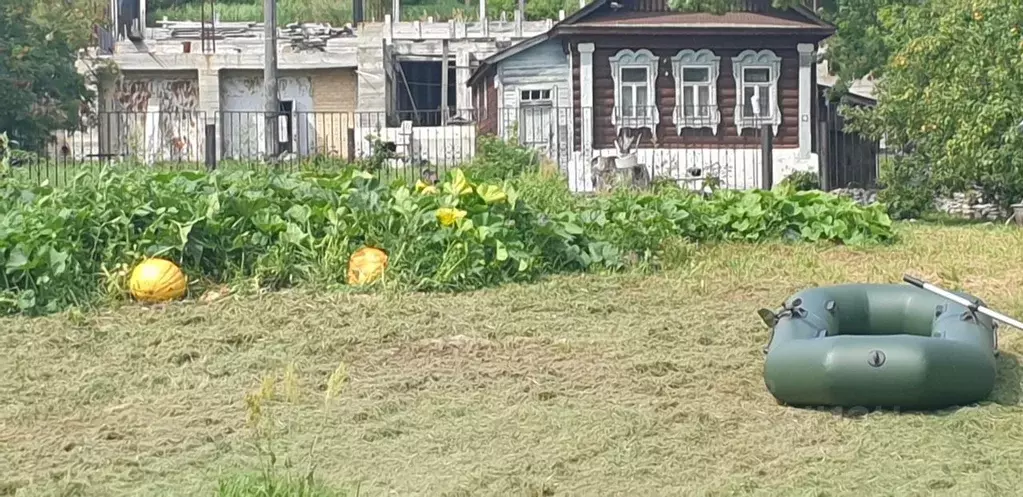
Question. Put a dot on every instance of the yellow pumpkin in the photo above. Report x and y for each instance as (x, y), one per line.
(366, 265)
(157, 280)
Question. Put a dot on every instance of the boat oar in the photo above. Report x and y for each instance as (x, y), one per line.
(973, 306)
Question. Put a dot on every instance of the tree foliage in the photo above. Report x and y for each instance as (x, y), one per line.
(722, 6)
(858, 49)
(950, 94)
(41, 89)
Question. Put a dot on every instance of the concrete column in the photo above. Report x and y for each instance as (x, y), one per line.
(209, 100)
(106, 83)
(463, 94)
(806, 60)
(142, 17)
(586, 97)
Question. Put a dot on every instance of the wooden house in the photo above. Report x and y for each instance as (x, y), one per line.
(698, 87)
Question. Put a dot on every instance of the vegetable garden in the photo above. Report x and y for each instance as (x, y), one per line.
(73, 246)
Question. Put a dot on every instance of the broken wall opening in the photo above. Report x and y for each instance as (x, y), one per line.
(419, 88)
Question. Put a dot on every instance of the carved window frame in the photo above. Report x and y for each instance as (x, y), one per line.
(693, 59)
(752, 59)
(639, 59)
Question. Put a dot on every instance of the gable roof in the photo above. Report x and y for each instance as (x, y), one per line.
(643, 15)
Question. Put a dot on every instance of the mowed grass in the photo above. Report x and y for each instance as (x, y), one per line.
(630, 385)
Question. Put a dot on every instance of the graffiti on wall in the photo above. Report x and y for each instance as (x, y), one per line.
(155, 119)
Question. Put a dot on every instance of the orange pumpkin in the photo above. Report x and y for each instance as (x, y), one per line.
(157, 280)
(366, 265)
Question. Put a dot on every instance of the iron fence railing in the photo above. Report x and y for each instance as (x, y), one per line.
(694, 146)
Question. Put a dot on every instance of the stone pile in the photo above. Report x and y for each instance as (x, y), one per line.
(968, 205)
(862, 196)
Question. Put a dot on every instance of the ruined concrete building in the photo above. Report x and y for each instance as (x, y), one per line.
(339, 86)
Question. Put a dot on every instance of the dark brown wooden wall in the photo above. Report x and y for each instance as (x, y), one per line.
(667, 47)
(484, 91)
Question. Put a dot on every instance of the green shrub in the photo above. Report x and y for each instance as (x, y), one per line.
(498, 160)
(803, 181)
(908, 191)
(546, 192)
(75, 246)
(637, 221)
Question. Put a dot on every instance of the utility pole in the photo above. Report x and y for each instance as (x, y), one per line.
(270, 76)
(444, 82)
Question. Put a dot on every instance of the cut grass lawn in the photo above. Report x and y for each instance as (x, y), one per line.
(632, 385)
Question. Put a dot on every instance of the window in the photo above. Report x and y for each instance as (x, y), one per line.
(696, 99)
(634, 92)
(756, 92)
(535, 95)
(420, 90)
(634, 74)
(756, 82)
(536, 123)
(284, 126)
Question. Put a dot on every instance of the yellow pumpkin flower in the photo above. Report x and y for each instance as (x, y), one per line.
(424, 188)
(448, 216)
(459, 184)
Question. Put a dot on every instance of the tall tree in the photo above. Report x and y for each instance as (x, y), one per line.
(41, 89)
(951, 95)
(860, 47)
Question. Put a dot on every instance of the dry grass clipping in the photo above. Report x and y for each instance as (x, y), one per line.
(629, 385)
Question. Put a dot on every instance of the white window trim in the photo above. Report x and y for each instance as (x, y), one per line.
(543, 102)
(751, 59)
(640, 59)
(703, 59)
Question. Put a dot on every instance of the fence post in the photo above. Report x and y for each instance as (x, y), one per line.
(824, 171)
(211, 147)
(767, 157)
(350, 148)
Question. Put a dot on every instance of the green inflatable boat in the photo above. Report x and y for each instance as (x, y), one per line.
(879, 346)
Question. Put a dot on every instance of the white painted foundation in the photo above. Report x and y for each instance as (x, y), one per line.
(448, 146)
(737, 168)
